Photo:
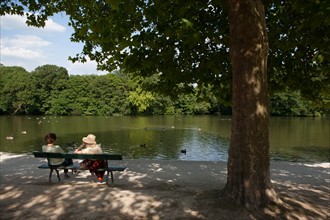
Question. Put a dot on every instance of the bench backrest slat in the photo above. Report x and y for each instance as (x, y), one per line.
(78, 156)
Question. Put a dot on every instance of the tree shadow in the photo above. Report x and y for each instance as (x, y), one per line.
(149, 190)
(152, 189)
(303, 190)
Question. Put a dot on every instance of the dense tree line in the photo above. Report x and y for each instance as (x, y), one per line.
(50, 90)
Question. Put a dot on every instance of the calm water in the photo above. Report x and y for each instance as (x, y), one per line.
(163, 137)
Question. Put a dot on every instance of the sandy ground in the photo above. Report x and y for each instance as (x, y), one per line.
(155, 189)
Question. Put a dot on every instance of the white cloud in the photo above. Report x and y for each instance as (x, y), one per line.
(28, 47)
(25, 41)
(83, 68)
(12, 22)
(52, 26)
(22, 53)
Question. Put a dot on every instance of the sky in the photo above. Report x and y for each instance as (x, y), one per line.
(31, 47)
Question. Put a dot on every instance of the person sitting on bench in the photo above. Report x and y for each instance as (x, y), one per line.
(50, 146)
(89, 146)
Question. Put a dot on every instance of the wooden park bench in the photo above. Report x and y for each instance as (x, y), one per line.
(106, 157)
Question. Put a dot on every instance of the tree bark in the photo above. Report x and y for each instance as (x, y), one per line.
(248, 178)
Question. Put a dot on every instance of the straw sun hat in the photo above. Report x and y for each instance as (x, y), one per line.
(90, 139)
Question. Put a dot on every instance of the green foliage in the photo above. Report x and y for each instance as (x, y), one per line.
(49, 90)
(299, 46)
(58, 105)
(141, 99)
(48, 78)
(288, 103)
(17, 91)
(186, 42)
(167, 38)
(178, 45)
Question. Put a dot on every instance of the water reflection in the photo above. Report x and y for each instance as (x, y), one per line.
(302, 154)
(163, 137)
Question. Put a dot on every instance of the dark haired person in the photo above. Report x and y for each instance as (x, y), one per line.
(51, 147)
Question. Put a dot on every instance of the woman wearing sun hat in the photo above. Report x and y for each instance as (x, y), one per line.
(89, 146)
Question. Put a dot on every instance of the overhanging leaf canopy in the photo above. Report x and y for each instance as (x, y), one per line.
(186, 42)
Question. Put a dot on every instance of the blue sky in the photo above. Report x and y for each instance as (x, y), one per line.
(30, 47)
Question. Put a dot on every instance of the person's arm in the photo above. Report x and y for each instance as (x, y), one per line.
(78, 150)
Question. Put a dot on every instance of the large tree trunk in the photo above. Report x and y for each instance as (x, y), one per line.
(248, 180)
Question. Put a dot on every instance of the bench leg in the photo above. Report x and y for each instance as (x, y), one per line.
(51, 172)
(111, 176)
(58, 175)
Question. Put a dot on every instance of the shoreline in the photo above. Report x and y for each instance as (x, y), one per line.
(153, 189)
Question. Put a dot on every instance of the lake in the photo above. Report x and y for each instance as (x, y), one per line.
(205, 138)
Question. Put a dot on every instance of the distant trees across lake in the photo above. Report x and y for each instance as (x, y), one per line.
(50, 90)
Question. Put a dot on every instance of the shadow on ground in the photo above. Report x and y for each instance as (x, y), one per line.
(154, 190)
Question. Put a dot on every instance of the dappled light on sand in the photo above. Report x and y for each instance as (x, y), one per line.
(304, 195)
(300, 201)
(151, 189)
